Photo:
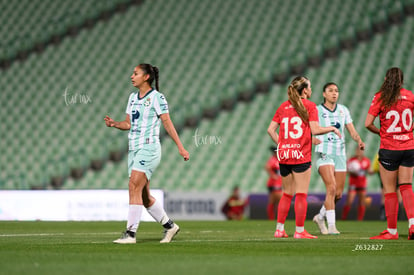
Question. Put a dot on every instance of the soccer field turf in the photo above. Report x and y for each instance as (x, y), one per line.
(245, 247)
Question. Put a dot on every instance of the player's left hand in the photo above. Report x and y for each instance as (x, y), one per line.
(184, 153)
(109, 121)
(361, 145)
(316, 141)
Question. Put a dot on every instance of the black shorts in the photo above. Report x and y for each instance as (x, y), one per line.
(286, 169)
(392, 159)
(272, 189)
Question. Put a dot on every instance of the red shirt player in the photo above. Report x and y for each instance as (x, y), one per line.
(394, 106)
(358, 168)
(233, 208)
(298, 119)
(274, 184)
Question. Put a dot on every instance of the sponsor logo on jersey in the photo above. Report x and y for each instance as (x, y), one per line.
(336, 124)
(401, 137)
(147, 102)
(164, 107)
(284, 153)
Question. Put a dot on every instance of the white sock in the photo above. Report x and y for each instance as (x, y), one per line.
(330, 217)
(158, 213)
(300, 229)
(280, 226)
(134, 216)
(392, 231)
(322, 213)
(410, 222)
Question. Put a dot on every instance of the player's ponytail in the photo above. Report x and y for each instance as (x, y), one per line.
(153, 73)
(390, 88)
(156, 77)
(295, 91)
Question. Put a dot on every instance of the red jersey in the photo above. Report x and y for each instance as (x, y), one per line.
(396, 130)
(234, 207)
(360, 178)
(273, 163)
(295, 140)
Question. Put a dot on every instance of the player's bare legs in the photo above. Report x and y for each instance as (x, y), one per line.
(361, 204)
(301, 205)
(273, 201)
(284, 205)
(156, 210)
(389, 179)
(327, 173)
(347, 207)
(137, 182)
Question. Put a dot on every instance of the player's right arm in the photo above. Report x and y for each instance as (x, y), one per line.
(369, 124)
(316, 141)
(271, 130)
(318, 130)
(121, 125)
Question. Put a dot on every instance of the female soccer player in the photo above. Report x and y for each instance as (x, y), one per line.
(331, 155)
(145, 110)
(298, 119)
(233, 207)
(394, 106)
(274, 184)
(358, 168)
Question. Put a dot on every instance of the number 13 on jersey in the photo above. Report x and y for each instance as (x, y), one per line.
(292, 127)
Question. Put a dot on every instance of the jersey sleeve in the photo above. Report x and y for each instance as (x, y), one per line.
(276, 117)
(374, 109)
(348, 118)
(129, 106)
(313, 112)
(160, 104)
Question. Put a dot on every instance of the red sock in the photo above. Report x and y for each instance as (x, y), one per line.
(271, 211)
(301, 207)
(345, 212)
(361, 212)
(391, 209)
(408, 199)
(284, 206)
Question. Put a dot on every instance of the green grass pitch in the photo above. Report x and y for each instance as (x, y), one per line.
(245, 247)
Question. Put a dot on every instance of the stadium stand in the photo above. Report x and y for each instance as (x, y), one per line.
(27, 26)
(211, 56)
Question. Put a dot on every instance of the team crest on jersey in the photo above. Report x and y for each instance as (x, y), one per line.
(147, 102)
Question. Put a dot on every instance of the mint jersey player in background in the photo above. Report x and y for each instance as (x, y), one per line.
(358, 166)
(331, 155)
(145, 111)
(274, 184)
(298, 119)
(394, 106)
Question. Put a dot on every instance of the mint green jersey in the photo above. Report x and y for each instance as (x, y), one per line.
(331, 143)
(144, 114)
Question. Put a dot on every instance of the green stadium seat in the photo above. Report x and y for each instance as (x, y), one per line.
(209, 54)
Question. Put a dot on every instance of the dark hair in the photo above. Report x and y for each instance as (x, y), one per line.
(153, 73)
(329, 84)
(390, 89)
(326, 86)
(295, 90)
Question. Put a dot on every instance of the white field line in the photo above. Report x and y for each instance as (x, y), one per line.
(179, 240)
(56, 234)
